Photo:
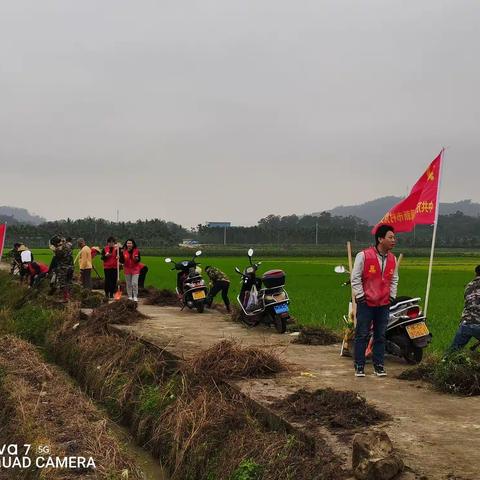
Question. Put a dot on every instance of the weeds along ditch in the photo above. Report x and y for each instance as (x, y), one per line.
(182, 412)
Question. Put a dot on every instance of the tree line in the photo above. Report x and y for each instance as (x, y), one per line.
(455, 230)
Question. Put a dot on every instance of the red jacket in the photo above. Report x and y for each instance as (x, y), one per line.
(110, 261)
(376, 285)
(131, 261)
(35, 268)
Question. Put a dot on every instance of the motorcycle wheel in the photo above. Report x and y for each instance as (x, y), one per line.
(280, 323)
(412, 354)
(200, 306)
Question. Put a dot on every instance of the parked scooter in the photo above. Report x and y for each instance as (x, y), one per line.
(407, 333)
(191, 288)
(268, 305)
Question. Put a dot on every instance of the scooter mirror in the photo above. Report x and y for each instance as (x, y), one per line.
(250, 252)
(340, 269)
(168, 260)
(198, 253)
(237, 270)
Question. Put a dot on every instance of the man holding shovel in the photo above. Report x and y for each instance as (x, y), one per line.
(374, 284)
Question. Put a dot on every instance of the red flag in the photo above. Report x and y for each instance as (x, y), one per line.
(3, 231)
(420, 207)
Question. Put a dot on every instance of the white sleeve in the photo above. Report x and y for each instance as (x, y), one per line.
(357, 272)
(394, 284)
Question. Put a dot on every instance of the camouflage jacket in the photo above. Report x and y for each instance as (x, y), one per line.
(471, 310)
(64, 254)
(217, 275)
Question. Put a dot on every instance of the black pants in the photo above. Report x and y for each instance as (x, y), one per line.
(141, 278)
(86, 278)
(222, 286)
(110, 281)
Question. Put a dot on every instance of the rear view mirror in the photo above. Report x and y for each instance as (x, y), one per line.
(250, 252)
(237, 270)
(340, 269)
(198, 253)
(168, 260)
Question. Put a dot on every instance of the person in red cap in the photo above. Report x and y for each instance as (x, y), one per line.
(374, 284)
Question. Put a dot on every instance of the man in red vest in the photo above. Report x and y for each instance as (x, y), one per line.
(374, 283)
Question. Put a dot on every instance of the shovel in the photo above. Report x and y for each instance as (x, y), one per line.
(118, 294)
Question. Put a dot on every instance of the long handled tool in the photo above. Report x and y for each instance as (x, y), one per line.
(118, 293)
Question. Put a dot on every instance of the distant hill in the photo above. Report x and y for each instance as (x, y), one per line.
(373, 210)
(20, 215)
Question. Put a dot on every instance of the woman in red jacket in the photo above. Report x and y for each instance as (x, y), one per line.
(110, 266)
(130, 258)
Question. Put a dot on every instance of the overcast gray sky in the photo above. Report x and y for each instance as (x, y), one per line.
(230, 110)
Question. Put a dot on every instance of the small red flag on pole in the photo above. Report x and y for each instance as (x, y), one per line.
(3, 231)
(421, 205)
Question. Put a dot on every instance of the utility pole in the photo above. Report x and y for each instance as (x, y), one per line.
(118, 214)
(316, 233)
(225, 235)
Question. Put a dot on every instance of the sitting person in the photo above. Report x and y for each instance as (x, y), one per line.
(470, 322)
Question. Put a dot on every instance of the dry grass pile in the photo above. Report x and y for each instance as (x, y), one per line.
(229, 360)
(209, 432)
(458, 373)
(164, 297)
(317, 336)
(121, 312)
(40, 406)
(335, 409)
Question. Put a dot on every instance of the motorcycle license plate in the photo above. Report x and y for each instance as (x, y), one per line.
(198, 295)
(282, 308)
(417, 330)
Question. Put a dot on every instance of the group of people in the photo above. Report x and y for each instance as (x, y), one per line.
(374, 282)
(61, 269)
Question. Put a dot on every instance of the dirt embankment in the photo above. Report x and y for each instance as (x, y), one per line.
(40, 407)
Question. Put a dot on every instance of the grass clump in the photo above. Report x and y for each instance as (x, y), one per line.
(247, 470)
(319, 335)
(229, 360)
(457, 373)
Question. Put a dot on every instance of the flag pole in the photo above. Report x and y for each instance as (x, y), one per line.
(434, 236)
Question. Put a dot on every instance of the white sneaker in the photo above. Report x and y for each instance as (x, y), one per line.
(135, 299)
(130, 298)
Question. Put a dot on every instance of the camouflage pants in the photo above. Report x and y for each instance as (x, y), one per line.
(64, 276)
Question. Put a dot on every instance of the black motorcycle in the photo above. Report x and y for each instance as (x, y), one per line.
(191, 288)
(263, 300)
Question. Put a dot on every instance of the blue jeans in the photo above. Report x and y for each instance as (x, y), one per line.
(464, 333)
(366, 316)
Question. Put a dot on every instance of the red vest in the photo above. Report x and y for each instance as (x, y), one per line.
(111, 260)
(130, 266)
(375, 285)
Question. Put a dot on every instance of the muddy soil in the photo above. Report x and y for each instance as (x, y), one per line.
(338, 410)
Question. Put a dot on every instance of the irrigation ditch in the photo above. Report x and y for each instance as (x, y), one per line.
(70, 381)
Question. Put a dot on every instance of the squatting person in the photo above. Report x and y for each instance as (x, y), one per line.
(470, 322)
(219, 282)
(374, 284)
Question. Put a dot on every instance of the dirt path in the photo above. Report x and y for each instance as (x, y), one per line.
(438, 434)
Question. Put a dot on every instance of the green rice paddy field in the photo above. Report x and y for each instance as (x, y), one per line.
(316, 294)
